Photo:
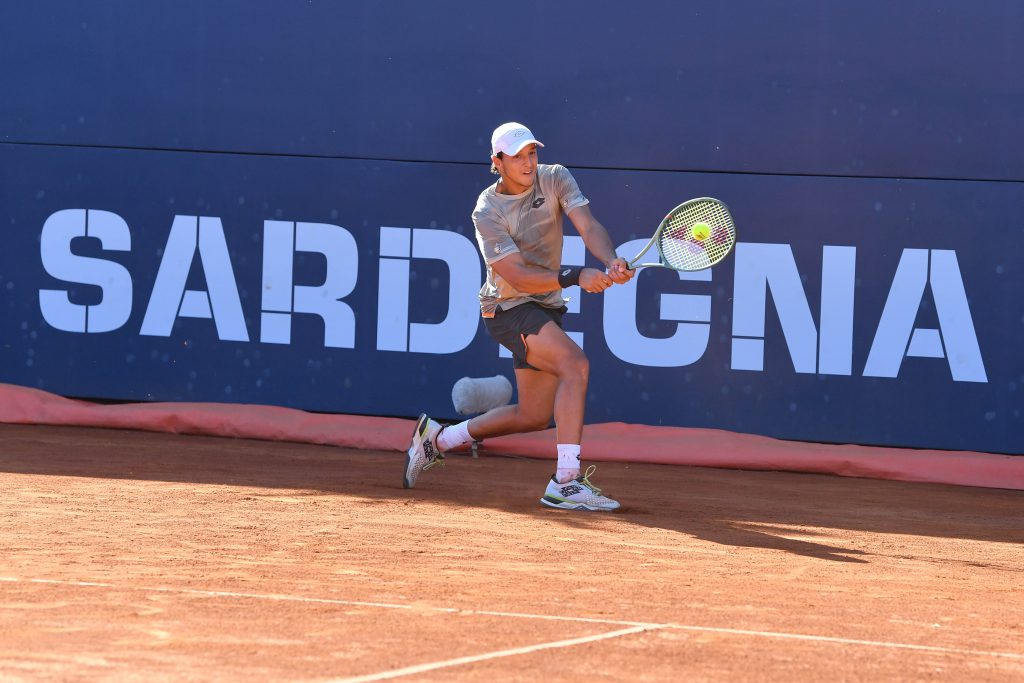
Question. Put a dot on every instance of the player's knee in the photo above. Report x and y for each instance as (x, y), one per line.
(532, 421)
(537, 424)
(575, 366)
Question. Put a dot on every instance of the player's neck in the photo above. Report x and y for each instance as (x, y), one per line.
(506, 186)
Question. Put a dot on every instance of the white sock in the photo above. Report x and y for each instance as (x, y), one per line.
(454, 436)
(568, 462)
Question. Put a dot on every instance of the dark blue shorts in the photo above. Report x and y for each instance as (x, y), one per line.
(511, 328)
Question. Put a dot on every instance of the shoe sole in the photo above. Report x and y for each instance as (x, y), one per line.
(406, 482)
(420, 426)
(569, 505)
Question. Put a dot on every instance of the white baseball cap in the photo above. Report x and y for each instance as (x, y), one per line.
(511, 137)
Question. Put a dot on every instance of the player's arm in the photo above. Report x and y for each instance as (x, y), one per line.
(531, 279)
(595, 236)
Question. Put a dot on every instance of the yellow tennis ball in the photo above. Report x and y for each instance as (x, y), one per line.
(700, 231)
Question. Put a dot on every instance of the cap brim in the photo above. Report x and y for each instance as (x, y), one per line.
(523, 143)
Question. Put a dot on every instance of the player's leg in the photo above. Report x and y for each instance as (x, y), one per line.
(551, 377)
(551, 380)
(553, 352)
(558, 385)
(533, 411)
(510, 328)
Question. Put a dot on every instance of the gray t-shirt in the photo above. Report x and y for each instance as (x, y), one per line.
(529, 223)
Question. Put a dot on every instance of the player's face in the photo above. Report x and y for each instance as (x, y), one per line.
(519, 171)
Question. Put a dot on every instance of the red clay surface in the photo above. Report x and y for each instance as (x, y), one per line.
(140, 556)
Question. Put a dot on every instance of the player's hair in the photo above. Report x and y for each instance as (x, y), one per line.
(494, 169)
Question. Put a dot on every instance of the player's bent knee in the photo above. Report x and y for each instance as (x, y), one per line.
(568, 360)
(533, 423)
(538, 425)
(576, 366)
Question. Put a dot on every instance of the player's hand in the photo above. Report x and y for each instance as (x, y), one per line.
(594, 281)
(619, 272)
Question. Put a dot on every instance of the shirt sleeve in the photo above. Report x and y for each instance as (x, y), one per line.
(566, 189)
(493, 237)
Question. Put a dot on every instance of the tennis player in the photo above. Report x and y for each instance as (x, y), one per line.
(519, 230)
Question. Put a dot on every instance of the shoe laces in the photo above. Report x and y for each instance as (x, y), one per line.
(585, 480)
(438, 454)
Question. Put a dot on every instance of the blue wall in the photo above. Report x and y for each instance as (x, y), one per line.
(856, 146)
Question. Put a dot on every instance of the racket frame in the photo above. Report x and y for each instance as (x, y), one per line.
(662, 263)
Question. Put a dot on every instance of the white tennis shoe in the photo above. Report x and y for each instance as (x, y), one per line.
(577, 494)
(423, 451)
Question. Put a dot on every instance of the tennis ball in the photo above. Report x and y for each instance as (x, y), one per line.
(700, 231)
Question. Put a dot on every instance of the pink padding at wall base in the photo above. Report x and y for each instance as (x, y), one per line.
(619, 442)
(614, 442)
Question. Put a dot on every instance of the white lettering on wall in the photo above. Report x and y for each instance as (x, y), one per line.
(760, 270)
(459, 326)
(113, 279)
(219, 301)
(896, 335)
(281, 297)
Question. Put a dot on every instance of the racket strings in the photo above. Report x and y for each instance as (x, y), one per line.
(682, 250)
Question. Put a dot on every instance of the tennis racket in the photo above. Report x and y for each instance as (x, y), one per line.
(693, 236)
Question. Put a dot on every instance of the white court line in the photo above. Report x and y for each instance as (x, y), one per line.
(331, 601)
(635, 626)
(846, 641)
(420, 668)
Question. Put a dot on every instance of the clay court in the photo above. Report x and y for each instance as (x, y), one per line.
(137, 556)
